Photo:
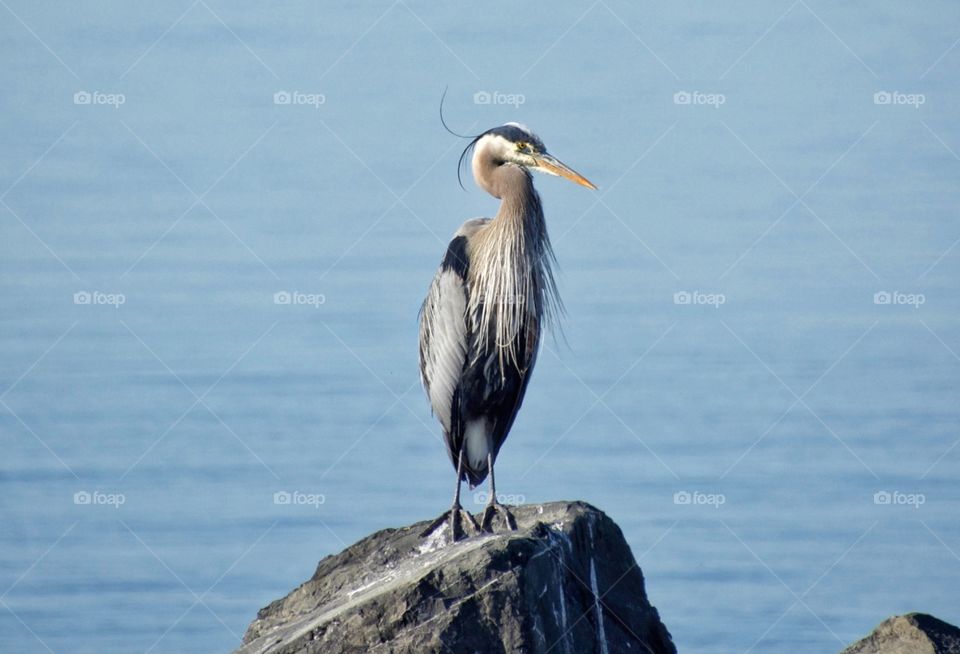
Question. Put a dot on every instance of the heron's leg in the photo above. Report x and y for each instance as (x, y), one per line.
(456, 512)
(493, 506)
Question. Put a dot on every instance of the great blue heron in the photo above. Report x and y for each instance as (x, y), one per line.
(481, 322)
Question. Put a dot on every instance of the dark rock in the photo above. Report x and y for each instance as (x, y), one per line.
(913, 633)
(565, 582)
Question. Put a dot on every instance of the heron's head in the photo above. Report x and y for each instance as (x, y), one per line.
(516, 144)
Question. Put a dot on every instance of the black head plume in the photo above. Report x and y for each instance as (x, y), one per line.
(473, 139)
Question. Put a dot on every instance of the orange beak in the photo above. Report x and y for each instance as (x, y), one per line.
(554, 166)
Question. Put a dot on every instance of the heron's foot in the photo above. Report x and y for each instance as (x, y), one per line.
(493, 508)
(455, 518)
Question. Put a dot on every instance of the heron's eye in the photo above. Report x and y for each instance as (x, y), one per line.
(523, 146)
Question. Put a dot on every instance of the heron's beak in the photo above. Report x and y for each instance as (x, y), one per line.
(554, 166)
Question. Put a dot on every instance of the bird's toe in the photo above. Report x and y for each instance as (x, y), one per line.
(491, 511)
(460, 522)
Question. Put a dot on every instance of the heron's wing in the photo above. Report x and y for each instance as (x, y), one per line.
(443, 332)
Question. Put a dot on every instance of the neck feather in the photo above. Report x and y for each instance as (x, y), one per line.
(511, 276)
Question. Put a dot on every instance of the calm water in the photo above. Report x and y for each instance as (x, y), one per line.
(775, 191)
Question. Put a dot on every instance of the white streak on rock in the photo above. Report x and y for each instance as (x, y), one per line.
(601, 632)
(434, 541)
(563, 622)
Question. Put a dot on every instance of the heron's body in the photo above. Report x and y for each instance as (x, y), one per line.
(482, 320)
(480, 332)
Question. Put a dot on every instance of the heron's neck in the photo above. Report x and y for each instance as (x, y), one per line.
(510, 271)
(512, 255)
(512, 286)
(520, 208)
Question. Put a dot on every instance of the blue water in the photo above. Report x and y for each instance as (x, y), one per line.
(783, 188)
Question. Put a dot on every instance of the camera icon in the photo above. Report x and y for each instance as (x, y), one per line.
(82, 97)
(682, 97)
(682, 297)
(682, 497)
(281, 297)
(882, 97)
(282, 497)
(81, 497)
(882, 497)
(282, 97)
(882, 297)
(81, 297)
(481, 97)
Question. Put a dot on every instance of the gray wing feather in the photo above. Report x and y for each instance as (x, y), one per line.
(443, 341)
(443, 326)
(444, 331)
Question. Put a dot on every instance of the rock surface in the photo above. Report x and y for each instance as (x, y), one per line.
(913, 633)
(565, 582)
